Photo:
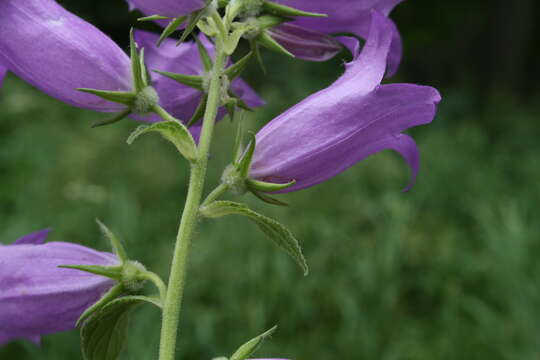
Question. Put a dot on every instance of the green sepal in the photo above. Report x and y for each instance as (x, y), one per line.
(232, 40)
(231, 106)
(193, 81)
(238, 146)
(245, 351)
(153, 18)
(207, 61)
(265, 22)
(104, 333)
(236, 69)
(268, 42)
(258, 56)
(116, 244)
(109, 296)
(171, 27)
(244, 165)
(193, 21)
(199, 112)
(136, 70)
(262, 186)
(121, 97)
(278, 233)
(116, 118)
(175, 132)
(268, 199)
(111, 272)
(283, 10)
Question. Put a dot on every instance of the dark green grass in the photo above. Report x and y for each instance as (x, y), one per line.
(447, 271)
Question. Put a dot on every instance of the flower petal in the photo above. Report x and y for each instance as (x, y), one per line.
(36, 238)
(171, 8)
(58, 52)
(38, 297)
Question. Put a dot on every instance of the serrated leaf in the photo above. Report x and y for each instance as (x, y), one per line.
(278, 233)
(249, 348)
(173, 131)
(104, 333)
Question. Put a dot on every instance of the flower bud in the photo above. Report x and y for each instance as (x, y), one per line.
(38, 297)
(58, 52)
(304, 43)
(345, 123)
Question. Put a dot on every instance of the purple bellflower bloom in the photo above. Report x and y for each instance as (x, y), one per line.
(180, 100)
(351, 16)
(38, 297)
(343, 124)
(169, 8)
(58, 52)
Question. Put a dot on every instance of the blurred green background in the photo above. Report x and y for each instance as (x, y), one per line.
(449, 270)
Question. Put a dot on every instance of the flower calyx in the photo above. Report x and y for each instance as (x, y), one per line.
(141, 100)
(129, 276)
(236, 176)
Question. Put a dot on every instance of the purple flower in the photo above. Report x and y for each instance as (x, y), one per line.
(170, 8)
(180, 100)
(343, 124)
(305, 43)
(350, 16)
(58, 52)
(37, 296)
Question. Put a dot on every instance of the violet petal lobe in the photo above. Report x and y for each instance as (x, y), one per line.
(38, 297)
(180, 100)
(350, 16)
(58, 52)
(35, 238)
(170, 8)
(345, 123)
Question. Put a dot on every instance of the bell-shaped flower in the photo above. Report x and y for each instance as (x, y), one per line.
(343, 124)
(348, 16)
(37, 297)
(169, 8)
(58, 52)
(180, 100)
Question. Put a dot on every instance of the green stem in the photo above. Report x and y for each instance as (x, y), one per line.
(173, 300)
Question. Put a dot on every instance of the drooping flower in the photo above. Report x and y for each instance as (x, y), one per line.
(343, 124)
(350, 16)
(38, 297)
(170, 8)
(180, 100)
(58, 52)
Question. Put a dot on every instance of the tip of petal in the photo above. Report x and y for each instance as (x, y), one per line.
(35, 238)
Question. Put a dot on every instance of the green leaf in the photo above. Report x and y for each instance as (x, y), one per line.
(194, 81)
(171, 27)
(175, 132)
(112, 294)
(121, 97)
(249, 348)
(278, 233)
(283, 10)
(104, 334)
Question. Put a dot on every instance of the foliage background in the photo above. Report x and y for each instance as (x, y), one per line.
(447, 271)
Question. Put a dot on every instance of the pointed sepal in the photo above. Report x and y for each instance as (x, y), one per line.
(248, 349)
(153, 18)
(266, 40)
(235, 70)
(268, 199)
(112, 120)
(282, 10)
(121, 97)
(111, 272)
(194, 81)
(170, 28)
(116, 244)
(266, 187)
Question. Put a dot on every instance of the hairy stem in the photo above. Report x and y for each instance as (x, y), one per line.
(173, 300)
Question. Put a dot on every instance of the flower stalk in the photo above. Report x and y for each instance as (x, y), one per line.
(173, 300)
